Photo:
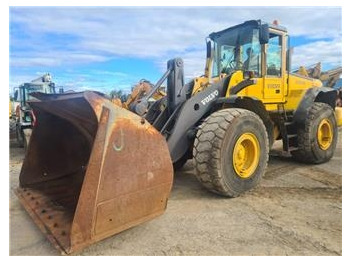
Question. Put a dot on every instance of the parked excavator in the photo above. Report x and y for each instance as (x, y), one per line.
(106, 169)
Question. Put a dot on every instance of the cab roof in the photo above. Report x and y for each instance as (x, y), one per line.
(251, 23)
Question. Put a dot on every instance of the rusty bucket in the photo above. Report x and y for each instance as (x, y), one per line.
(92, 169)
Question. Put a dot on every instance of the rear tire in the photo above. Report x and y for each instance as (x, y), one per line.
(215, 150)
(313, 146)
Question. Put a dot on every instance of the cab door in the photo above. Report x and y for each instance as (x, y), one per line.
(274, 77)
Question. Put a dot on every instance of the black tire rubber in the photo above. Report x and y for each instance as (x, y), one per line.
(20, 136)
(213, 148)
(309, 150)
(180, 163)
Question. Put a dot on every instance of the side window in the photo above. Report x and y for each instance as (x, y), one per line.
(227, 58)
(274, 55)
(215, 66)
(251, 54)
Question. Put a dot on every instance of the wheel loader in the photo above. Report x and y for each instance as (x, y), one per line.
(140, 90)
(22, 112)
(94, 169)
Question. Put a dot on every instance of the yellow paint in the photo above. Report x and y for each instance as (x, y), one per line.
(159, 94)
(289, 94)
(325, 134)
(284, 91)
(338, 116)
(199, 84)
(202, 82)
(297, 87)
(208, 65)
(302, 71)
(235, 79)
(246, 155)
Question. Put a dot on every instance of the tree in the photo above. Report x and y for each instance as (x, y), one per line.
(116, 94)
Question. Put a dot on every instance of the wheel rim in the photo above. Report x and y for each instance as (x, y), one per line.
(325, 134)
(246, 155)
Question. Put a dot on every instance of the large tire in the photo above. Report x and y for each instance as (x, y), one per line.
(20, 136)
(310, 149)
(214, 149)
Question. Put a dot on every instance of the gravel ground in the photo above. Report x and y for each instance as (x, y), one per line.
(296, 210)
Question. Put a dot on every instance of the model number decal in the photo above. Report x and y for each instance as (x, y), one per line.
(275, 86)
(210, 97)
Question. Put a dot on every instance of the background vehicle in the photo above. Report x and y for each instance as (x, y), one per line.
(107, 169)
(23, 114)
(331, 78)
(139, 91)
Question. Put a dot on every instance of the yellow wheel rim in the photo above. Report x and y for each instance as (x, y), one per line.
(325, 134)
(246, 155)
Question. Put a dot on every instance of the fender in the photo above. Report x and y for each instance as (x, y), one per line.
(316, 94)
(241, 85)
(252, 104)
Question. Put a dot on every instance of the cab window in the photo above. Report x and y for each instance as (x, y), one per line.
(274, 56)
(237, 50)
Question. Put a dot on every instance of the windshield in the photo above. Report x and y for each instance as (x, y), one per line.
(31, 88)
(237, 49)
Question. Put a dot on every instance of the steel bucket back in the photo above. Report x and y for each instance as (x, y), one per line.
(92, 170)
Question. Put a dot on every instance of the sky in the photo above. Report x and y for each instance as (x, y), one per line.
(106, 48)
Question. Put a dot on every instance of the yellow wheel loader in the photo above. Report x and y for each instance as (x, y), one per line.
(94, 169)
(140, 90)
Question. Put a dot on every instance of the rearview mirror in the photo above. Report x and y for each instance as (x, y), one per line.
(264, 34)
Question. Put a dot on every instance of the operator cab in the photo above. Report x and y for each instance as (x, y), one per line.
(253, 49)
(22, 93)
(242, 48)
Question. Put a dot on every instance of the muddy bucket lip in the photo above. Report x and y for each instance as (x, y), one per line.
(39, 222)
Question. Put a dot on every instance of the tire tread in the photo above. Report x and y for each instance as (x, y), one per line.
(207, 149)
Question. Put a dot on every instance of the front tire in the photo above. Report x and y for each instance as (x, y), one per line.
(20, 136)
(231, 151)
(317, 140)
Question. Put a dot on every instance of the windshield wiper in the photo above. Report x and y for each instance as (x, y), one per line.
(228, 63)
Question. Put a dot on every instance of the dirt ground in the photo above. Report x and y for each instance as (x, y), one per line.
(296, 210)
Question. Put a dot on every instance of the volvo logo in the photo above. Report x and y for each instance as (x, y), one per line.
(210, 97)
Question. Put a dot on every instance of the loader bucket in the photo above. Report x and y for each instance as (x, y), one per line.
(92, 169)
